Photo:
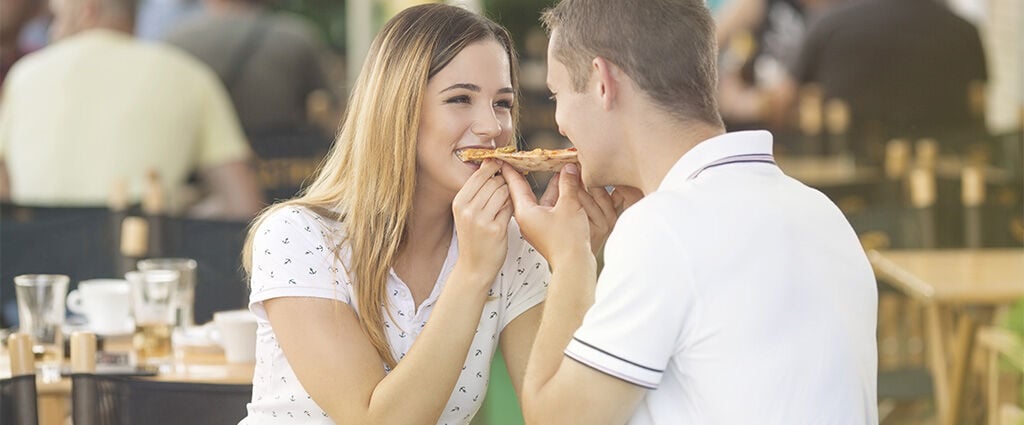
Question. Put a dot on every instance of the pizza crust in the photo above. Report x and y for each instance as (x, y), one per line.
(524, 161)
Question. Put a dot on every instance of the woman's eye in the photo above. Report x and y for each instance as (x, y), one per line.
(458, 99)
(504, 104)
(553, 98)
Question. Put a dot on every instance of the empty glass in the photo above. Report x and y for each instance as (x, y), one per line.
(41, 315)
(185, 318)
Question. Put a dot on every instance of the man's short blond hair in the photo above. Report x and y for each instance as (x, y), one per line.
(667, 47)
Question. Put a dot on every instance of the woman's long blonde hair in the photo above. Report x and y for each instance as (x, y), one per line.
(368, 179)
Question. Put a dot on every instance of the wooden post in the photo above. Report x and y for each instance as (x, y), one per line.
(973, 196)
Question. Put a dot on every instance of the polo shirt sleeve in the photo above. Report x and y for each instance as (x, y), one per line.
(640, 304)
(221, 139)
(525, 277)
(292, 258)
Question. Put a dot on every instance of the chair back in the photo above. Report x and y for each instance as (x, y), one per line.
(18, 393)
(217, 248)
(73, 241)
(122, 400)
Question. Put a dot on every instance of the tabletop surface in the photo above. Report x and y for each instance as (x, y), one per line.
(195, 365)
(985, 276)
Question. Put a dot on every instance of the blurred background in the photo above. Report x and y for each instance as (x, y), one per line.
(906, 113)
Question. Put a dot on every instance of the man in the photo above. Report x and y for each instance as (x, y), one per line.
(270, 62)
(99, 107)
(731, 293)
(905, 68)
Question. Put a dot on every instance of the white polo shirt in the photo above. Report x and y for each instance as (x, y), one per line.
(293, 256)
(736, 295)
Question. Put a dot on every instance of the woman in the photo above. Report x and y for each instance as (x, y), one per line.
(396, 221)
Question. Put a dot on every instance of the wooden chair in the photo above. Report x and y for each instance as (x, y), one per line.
(120, 400)
(18, 393)
(1002, 347)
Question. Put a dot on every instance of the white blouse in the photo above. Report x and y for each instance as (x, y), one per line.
(293, 256)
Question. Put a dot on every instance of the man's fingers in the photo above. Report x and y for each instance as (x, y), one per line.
(569, 184)
(624, 196)
(550, 195)
(518, 188)
(594, 212)
(604, 201)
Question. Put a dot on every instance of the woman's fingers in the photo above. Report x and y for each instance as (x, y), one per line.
(478, 180)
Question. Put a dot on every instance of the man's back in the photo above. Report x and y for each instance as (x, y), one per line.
(745, 292)
(98, 107)
(278, 59)
(904, 65)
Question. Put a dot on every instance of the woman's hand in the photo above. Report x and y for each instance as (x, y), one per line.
(482, 211)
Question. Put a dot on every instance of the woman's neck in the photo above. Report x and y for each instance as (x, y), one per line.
(428, 236)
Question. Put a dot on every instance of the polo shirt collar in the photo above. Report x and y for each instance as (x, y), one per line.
(753, 144)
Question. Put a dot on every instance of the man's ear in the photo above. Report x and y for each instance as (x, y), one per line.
(608, 83)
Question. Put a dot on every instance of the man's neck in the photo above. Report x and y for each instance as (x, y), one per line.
(657, 146)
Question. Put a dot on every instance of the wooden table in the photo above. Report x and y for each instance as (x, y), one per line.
(958, 289)
(828, 172)
(196, 365)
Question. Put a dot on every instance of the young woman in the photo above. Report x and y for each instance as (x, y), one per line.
(383, 291)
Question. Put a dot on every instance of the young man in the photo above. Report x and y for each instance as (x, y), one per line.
(731, 294)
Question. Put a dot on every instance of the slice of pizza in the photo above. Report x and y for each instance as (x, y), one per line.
(524, 161)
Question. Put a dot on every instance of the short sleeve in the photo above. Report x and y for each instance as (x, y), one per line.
(292, 257)
(640, 304)
(526, 277)
(221, 139)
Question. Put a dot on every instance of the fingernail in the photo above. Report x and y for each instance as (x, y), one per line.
(571, 169)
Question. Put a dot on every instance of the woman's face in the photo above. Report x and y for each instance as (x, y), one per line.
(468, 104)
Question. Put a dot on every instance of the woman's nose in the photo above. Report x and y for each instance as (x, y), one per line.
(487, 125)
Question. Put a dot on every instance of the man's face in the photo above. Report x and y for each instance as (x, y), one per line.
(68, 17)
(581, 118)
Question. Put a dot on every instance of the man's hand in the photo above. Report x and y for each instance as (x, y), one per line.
(557, 226)
(602, 208)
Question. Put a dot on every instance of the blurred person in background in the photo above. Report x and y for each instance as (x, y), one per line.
(98, 107)
(758, 41)
(156, 17)
(269, 62)
(271, 65)
(904, 67)
(15, 15)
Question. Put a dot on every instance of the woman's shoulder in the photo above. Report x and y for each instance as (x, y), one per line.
(297, 221)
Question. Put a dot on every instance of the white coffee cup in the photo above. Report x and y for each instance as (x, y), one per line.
(106, 303)
(236, 332)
